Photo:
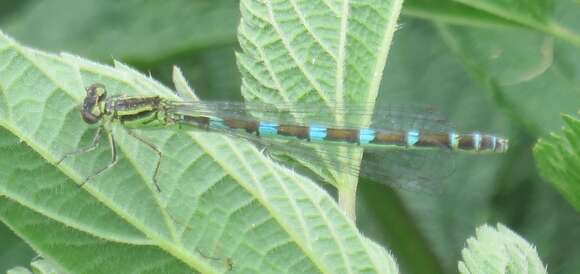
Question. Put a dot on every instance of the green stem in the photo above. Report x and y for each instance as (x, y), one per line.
(347, 197)
(564, 34)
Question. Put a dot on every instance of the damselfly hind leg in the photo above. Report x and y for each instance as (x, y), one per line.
(156, 150)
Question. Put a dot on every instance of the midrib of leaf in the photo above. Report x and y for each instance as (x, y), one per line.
(384, 51)
(347, 192)
(341, 63)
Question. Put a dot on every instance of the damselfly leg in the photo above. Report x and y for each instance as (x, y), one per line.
(156, 150)
(94, 144)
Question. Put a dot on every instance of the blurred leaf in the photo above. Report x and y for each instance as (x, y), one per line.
(528, 12)
(453, 12)
(130, 30)
(226, 189)
(536, 14)
(524, 72)
(11, 8)
(213, 73)
(499, 250)
(558, 159)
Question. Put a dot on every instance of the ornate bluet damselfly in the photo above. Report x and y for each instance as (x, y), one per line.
(394, 145)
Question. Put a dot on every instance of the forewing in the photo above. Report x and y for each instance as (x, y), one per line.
(407, 168)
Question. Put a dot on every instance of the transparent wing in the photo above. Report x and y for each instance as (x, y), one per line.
(413, 170)
(401, 117)
(406, 168)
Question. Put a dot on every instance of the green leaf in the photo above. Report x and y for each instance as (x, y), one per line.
(499, 250)
(558, 159)
(318, 53)
(223, 203)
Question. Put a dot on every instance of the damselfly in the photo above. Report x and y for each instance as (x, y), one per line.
(394, 145)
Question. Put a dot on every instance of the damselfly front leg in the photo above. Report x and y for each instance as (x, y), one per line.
(114, 157)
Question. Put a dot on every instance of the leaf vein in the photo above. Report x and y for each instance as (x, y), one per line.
(247, 186)
(308, 29)
(292, 54)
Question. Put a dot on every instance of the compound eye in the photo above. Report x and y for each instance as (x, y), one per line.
(90, 111)
(89, 118)
(97, 91)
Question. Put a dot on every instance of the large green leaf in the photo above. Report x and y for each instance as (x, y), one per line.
(310, 52)
(223, 203)
(558, 158)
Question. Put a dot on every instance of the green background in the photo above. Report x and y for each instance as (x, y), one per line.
(498, 68)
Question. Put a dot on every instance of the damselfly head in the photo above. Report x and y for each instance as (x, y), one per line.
(91, 110)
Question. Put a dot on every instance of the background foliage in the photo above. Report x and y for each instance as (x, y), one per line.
(496, 66)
